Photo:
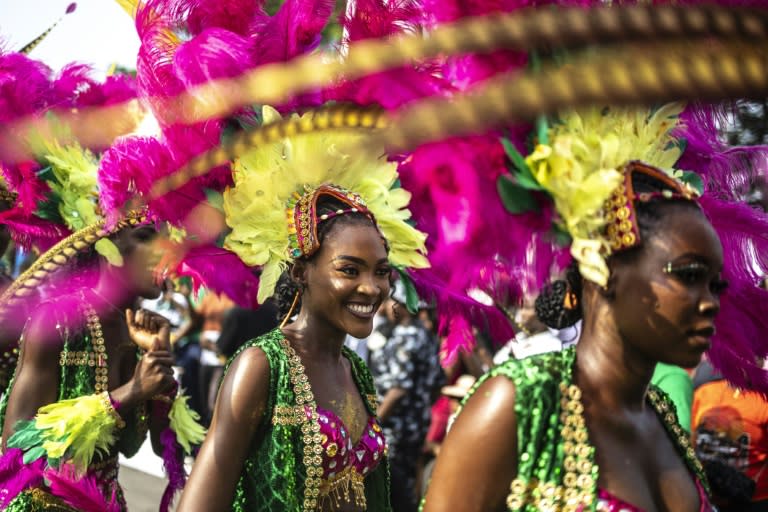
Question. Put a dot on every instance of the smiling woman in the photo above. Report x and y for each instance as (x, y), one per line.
(295, 425)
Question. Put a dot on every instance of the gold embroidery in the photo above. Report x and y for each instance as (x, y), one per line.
(311, 426)
(580, 473)
(288, 415)
(42, 500)
(347, 484)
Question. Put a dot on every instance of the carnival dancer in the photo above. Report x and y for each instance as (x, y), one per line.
(582, 429)
(81, 392)
(294, 426)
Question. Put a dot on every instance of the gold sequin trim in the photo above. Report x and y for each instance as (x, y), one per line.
(310, 428)
(107, 402)
(83, 358)
(42, 500)
(580, 473)
(288, 415)
(99, 348)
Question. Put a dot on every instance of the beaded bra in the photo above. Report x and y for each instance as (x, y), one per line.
(336, 468)
(345, 463)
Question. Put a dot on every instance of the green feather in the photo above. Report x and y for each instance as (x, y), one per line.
(411, 295)
(516, 199)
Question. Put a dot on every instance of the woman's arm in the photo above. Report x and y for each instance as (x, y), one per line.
(239, 409)
(478, 458)
(37, 376)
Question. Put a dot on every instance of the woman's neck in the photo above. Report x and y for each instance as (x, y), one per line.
(613, 375)
(111, 297)
(315, 337)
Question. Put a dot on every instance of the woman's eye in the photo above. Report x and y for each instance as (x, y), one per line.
(350, 271)
(145, 234)
(384, 272)
(718, 286)
(689, 275)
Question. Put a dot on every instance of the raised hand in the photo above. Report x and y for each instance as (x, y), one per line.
(148, 330)
(154, 373)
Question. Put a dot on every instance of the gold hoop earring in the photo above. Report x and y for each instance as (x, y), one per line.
(290, 311)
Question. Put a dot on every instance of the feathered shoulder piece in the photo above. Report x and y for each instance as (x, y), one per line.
(273, 180)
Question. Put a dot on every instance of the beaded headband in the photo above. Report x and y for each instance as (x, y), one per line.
(622, 229)
(303, 219)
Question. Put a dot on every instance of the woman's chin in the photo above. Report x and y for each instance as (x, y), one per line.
(361, 332)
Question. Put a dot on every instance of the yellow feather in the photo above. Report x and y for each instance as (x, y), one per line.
(184, 422)
(267, 178)
(76, 428)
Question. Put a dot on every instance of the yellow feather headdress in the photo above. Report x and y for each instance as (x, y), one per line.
(581, 166)
(269, 178)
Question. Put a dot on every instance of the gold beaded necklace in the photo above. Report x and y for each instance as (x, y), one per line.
(99, 347)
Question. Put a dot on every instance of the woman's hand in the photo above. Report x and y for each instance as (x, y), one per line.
(154, 373)
(148, 330)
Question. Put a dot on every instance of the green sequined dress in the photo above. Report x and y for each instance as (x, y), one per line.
(556, 468)
(78, 378)
(282, 472)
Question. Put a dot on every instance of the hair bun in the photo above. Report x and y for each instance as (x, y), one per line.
(551, 306)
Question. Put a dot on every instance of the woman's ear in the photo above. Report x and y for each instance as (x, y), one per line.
(298, 273)
(609, 290)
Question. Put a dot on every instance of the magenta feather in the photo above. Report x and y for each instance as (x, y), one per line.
(458, 313)
(115, 89)
(743, 318)
(204, 265)
(82, 492)
(23, 180)
(131, 167)
(393, 88)
(25, 86)
(214, 53)
(472, 239)
(295, 29)
(232, 15)
(173, 462)
(16, 477)
(29, 231)
(155, 74)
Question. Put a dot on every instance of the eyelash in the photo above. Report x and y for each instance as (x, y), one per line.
(694, 273)
(382, 272)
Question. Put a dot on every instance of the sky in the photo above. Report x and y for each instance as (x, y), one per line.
(99, 32)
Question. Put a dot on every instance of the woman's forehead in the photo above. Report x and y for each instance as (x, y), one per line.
(351, 239)
(686, 232)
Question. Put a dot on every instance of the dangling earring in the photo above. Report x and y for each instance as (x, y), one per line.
(396, 310)
(290, 311)
(570, 300)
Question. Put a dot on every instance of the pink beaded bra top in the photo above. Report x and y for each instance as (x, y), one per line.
(345, 463)
(607, 502)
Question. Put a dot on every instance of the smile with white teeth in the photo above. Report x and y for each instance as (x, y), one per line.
(361, 309)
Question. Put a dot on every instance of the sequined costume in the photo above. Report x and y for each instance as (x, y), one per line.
(292, 466)
(556, 464)
(82, 372)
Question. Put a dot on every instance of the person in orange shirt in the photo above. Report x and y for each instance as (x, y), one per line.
(729, 430)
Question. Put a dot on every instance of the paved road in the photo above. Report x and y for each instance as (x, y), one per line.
(142, 490)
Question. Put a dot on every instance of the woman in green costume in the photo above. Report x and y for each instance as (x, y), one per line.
(582, 429)
(83, 381)
(294, 427)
